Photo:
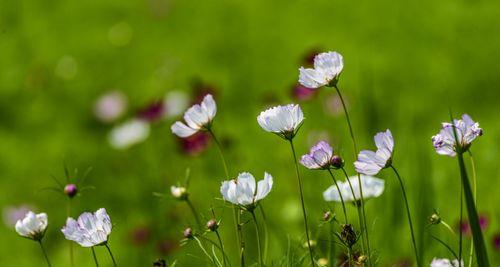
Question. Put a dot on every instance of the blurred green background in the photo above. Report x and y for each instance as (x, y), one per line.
(406, 63)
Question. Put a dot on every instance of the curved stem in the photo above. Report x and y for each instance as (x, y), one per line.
(409, 215)
(351, 132)
(257, 232)
(111, 255)
(360, 215)
(195, 214)
(302, 202)
(447, 226)
(446, 246)
(218, 246)
(95, 257)
(221, 155)
(204, 250)
(340, 195)
(44, 253)
(221, 247)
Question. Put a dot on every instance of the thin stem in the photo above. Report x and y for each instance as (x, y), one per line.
(221, 247)
(218, 247)
(351, 132)
(447, 226)
(71, 255)
(331, 245)
(266, 232)
(44, 253)
(219, 149)
(446, 246)
(195, 214)
(460, 233)
(240, 237)
(349, 256)
(95, 257)
(340, 195)
(302, 202)
(111, 255)
(474, 192)
(257, 232)
(360, 215)
(204, 250)
(409, 215)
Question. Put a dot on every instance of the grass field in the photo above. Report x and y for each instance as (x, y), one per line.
(405, 64)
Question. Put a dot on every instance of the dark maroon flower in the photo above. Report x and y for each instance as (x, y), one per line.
(465, 227)
(166, 247)
(308, 59)
(152, 112)
(201, 89)
(195, 144)
(303, 93)
(140, 235)
(496, 242)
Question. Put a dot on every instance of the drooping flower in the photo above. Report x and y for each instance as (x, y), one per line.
(372, 187)
(110, 106)
(445, 263)
(243, 191)
(370, 162)
(198, 117)
(91, 229)
(32, 226)
(467, 130)
(319, 157)
(284, 121)
(129, 133)
(326, 71)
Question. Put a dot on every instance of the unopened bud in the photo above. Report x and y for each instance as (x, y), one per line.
(179, 192)
(348, 235)
(70, 190)
(337, 162)
(434, 219)
(362, 259)
(212, 225)
(188, 233)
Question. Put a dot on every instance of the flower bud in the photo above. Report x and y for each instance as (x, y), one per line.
(327, 216)
(70, 190)
(212, 225)
(188, 233)
(179, 192)
(362, 259)
(434, 219)
(337, 162)
(159, 263)
(322, 262)
(312, 243)
(348, 235)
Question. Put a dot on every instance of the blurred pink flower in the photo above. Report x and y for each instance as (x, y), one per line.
(496, 242)
(140, 235)
(333, 106)
(465, 227)
(12, 214)
(195, 144)
(166, 247)
(152, 112)
(110, 106)
(302, 93)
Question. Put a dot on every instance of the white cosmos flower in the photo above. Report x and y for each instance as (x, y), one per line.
(370, 162)
(244, 192)
(445, 263)
(319, 156)
(327, 68)
(467, 130)
(372, 187)
(197, 117)
(282, 120)
(129, 133)
(32, 226)
(91, 229)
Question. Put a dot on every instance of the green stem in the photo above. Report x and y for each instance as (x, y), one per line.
(257, 232)
(351, 132)
(460, 233)
(71, 255)
(204, 250)
(218, 246)
(221, 247)
(95, 257)
(408, 214)
(240, 238)
(111, 254)
(331, 245)
(221, 155)
(360, 215)
(195, 214)
(340, 195)
(266, 233)
(44, 253)
(302, 202)
(477, 234)
(474, 190)
(447, 226)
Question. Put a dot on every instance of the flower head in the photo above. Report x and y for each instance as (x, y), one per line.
(445, 263)
(319, 157)
(91, 229)
(32, 226)
(370, 162)
(179, 192)
(128, 134)
(326, 71)
(70, 190)
(244, 192)
(110, 106)
(198, 117)
(467, 130)
(372, 187)
(284, 121)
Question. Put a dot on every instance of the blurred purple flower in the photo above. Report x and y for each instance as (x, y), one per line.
(195, 144)
(165, 247)
(496, 242)
(464, 226)
(12, 214)
(110, 106)
(302, 93)
(140, 235)
(152, 112)
(333, 105)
